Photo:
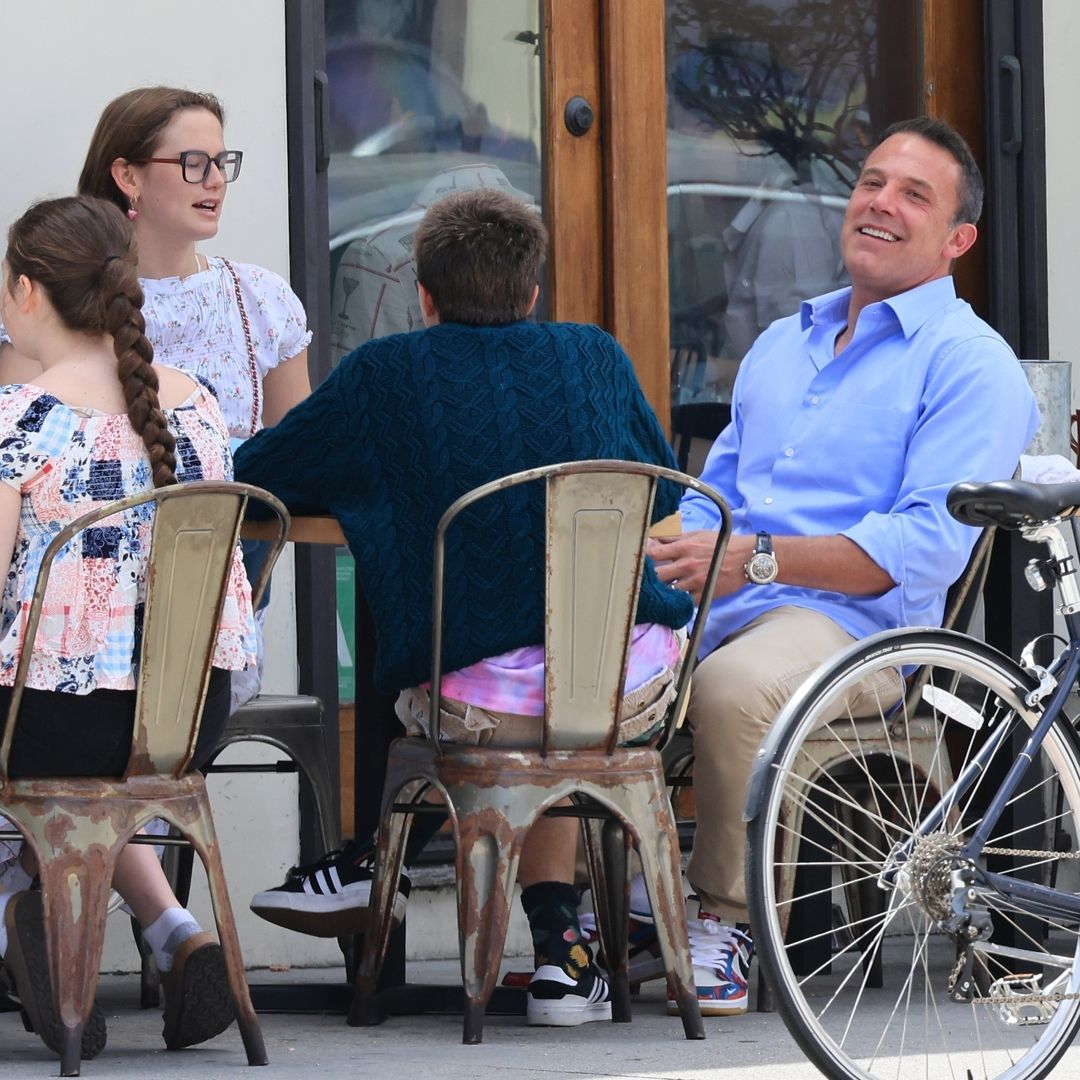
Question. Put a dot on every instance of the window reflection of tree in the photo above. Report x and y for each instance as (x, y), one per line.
(800, 79)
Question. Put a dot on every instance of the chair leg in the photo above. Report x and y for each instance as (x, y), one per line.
(659, 853)
(364, 1010)
(486, 874)
(616, 850)
(205, 842)
(765, 1002)
(75, 905)
(149, 976)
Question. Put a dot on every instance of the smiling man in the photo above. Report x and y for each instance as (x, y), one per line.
(850, 422)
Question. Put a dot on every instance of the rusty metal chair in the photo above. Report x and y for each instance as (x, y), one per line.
(597, 520)
(76, 827)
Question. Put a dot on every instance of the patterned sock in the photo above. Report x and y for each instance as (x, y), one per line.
(551, 908)
(167, 933)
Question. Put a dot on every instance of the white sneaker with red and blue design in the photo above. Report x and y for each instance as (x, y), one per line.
(721, 955)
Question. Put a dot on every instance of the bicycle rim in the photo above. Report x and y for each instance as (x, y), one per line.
(862, 978)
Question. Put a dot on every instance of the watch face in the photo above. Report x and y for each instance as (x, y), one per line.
(762, 568)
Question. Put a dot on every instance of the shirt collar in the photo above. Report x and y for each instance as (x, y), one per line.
(910, 309)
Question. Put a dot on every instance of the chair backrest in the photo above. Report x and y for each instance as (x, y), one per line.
(961, 601)
(963, 596)
(696, 420)
(596, 526)
(194, 535)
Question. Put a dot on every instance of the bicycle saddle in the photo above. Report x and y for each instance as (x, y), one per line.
(1012, 504)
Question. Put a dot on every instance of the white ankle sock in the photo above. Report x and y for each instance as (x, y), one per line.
(167, 933)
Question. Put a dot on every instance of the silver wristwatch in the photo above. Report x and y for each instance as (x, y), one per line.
(761, 568)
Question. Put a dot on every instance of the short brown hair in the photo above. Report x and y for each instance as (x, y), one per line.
(81, 251)
(130, 127)
(969, 188)
(478, 254)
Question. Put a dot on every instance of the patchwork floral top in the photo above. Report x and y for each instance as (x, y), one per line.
(65, 461)
(195, 324)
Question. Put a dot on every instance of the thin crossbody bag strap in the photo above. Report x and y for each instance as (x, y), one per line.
(253, 364)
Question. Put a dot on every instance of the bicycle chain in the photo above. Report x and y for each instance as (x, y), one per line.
(1015, 999)
(1030, 853)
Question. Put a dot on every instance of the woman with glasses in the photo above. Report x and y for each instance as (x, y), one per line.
(159, 154)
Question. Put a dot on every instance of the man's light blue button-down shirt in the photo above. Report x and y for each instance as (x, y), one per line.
(867, 444)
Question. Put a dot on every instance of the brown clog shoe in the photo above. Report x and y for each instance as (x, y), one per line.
(198, 1002)
(26, 964)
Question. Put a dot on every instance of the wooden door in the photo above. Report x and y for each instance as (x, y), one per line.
(605, 199)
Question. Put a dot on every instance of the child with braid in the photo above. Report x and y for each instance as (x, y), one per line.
(99, 423)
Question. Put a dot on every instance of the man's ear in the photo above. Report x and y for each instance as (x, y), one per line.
(532, 302)
(427, 306)
(123, 175)
(963, 236)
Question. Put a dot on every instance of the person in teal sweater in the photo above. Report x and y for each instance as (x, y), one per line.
(404, 426)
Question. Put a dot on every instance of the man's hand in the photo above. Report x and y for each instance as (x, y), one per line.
(834, 563)
(684, 561)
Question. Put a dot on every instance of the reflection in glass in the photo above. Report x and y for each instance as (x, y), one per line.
(771, 106)
(425, 97)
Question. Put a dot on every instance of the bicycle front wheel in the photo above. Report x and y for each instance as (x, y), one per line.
(850, 898)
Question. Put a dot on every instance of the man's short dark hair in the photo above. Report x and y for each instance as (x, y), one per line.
(478, 254)
(969, 190)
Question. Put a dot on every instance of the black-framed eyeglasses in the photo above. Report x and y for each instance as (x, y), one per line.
(195, 164)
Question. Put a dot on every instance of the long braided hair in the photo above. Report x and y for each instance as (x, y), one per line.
(81, 250)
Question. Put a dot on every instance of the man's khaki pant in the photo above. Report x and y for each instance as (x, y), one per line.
(736, 693)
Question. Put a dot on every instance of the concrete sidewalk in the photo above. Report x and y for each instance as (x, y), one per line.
(425, 1047)
(756, 1046)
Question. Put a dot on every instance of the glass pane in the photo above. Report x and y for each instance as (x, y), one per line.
(425, 97)
(770, 108)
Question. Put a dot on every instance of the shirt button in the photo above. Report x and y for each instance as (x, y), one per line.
(767, 500)
(789, 452)
(815, 400)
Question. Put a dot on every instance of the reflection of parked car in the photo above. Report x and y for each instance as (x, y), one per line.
(389, 97)
(396, 118)
(746, 245)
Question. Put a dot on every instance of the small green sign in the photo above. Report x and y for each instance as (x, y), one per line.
(346, 625)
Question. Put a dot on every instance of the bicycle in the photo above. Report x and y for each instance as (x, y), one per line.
(924, 920)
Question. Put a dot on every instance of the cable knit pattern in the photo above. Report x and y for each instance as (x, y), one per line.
(408, 423)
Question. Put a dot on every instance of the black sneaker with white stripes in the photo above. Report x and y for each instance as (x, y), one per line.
(557, 1000)
(328, 898)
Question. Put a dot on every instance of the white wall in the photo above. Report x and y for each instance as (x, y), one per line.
(63, 60)
(1061, 20)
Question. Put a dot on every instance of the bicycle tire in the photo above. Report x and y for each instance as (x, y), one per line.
(909, 1028)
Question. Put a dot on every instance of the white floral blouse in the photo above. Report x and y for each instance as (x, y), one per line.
(65, 461)
(194, 323)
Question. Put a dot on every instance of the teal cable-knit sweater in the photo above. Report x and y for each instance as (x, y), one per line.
(408, 423)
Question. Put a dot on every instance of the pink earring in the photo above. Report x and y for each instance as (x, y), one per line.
(133, 213)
